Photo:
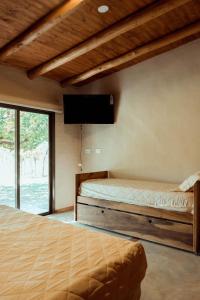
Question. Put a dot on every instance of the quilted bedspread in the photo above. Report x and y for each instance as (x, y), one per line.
(46, 259)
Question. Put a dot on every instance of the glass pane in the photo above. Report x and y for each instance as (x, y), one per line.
(34, 162)
(7, 157)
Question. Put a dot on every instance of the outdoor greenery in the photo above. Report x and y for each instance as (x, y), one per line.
(33, 129)
(7, 128)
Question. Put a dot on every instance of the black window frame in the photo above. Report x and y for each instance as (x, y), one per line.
(51, 128)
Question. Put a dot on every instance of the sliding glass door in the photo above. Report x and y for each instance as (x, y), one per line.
(26, 157)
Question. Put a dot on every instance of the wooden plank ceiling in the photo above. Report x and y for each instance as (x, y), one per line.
(74, 44)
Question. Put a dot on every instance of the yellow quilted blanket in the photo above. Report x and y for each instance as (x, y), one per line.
(44, 259)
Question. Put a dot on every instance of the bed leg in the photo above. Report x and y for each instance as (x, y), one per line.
(196, 219)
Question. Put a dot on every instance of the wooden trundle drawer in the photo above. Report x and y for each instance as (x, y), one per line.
(163, 231)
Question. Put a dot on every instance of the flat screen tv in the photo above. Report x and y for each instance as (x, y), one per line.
(88, 109)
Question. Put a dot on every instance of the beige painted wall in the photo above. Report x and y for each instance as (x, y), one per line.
(16, 88)
(157, 129)
(67, 153)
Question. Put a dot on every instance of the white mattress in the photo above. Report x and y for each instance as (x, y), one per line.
(143, 193)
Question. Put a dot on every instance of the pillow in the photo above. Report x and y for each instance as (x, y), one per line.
(189, 182)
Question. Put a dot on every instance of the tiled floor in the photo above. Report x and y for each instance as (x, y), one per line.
(171, 275)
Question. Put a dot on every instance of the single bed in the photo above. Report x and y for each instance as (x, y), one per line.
(143, 193)
(154, 211)
(50, 260)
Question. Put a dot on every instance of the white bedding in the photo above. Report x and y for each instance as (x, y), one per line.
(143, 193)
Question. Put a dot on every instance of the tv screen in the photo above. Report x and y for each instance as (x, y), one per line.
(88, 109)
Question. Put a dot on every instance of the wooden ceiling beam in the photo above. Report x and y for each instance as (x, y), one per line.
(135, 20)
(139, 52)
(41, 26)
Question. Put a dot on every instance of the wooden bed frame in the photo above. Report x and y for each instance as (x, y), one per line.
(176, 229)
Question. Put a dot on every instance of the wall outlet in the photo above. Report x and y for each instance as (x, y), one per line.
(98, 151)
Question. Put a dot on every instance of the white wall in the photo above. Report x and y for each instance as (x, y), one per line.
(157, 129)
(16, 88)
